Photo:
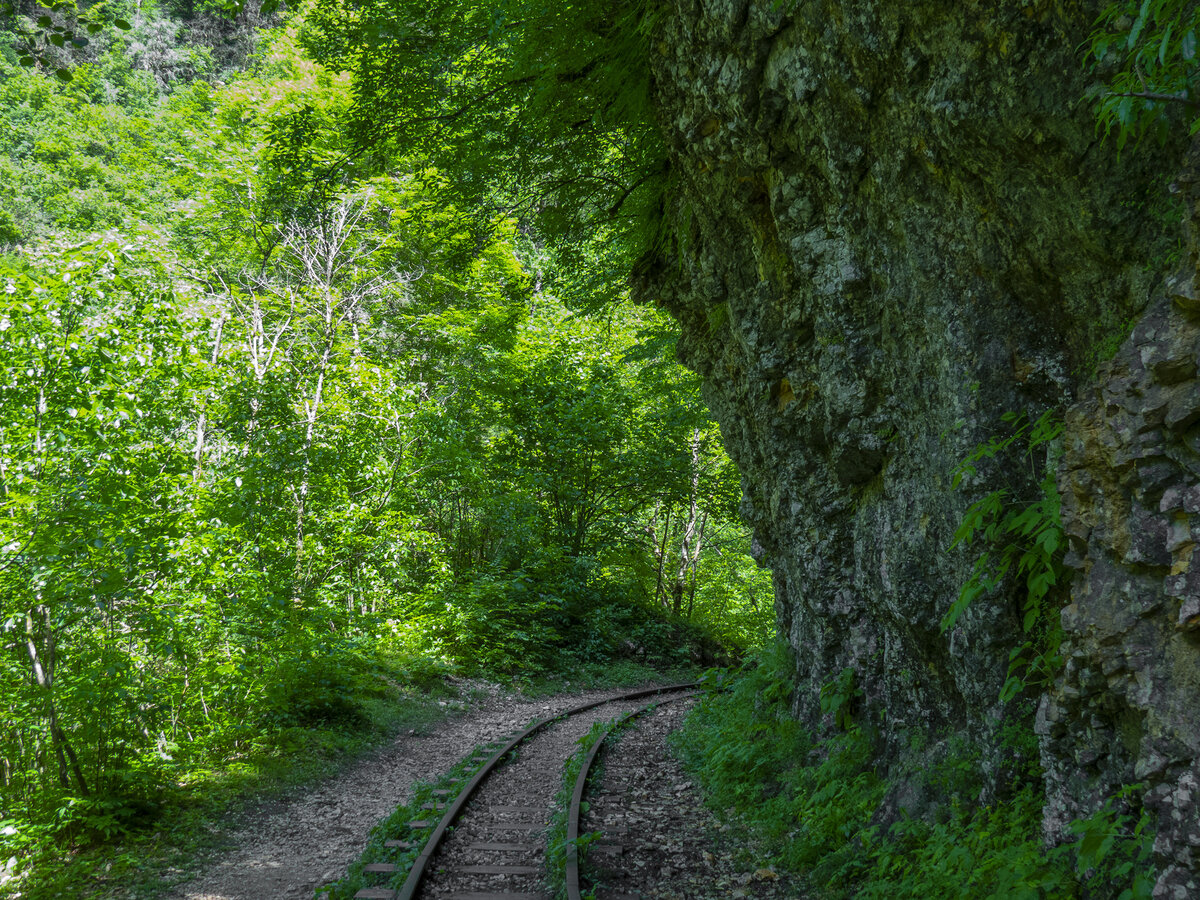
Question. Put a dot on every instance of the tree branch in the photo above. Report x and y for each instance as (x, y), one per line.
(1155, 95)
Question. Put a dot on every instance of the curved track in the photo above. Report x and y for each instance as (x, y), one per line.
(572, 875)
(499, 822)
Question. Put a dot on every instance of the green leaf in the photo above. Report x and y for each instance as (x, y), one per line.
(63, 75)
(1162, 48)
(1093, 840)
(44, 22)
(1187, 47)
(122, 24)
(1012, 687)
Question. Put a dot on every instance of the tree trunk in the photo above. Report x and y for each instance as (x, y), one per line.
(689, 547)
(44, 676)
(202, 421)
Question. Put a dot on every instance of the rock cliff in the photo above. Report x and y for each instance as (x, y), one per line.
(1126, 708)
(894, 223)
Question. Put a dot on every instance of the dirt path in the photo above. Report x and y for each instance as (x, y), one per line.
(289, 848)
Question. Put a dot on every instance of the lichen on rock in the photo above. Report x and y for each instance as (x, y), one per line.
(896, 223)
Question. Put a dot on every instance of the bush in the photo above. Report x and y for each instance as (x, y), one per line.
(321, 689)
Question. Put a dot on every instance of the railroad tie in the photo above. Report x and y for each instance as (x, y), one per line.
(520, 839)
(380, 868)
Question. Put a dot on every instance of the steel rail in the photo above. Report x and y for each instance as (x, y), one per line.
(572, 872)
(408, 890)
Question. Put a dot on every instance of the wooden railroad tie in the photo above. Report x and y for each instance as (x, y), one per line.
(380, 868)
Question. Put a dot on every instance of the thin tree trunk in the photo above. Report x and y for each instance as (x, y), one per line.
(310, 413)
(202, 422)
(686, 547)
(661, 553)
(44, 676)
(696, 565)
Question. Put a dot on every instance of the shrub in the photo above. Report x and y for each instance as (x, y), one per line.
(320, 688)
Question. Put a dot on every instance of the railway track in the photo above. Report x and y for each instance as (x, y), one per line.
(488, 842)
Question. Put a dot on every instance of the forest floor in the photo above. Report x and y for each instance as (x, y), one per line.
(287, 848)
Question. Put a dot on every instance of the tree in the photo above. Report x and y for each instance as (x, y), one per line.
(535, 110)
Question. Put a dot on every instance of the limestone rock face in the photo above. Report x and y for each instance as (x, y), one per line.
(894, 223)
(1126, 708)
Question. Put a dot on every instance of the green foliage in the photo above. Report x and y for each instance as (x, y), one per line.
(816, 808)
(541, 109)
(804, 800)
(62, 26)
(10, 233)
(837, 697)
(278, 429)
(322, 686)
(1024, 537)
(1145, 50)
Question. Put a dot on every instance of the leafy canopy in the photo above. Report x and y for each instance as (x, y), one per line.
(538, 110)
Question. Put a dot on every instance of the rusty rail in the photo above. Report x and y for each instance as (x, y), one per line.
(572, 871)
(408, 891)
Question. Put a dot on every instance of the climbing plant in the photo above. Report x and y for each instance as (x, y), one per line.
(1021, 536)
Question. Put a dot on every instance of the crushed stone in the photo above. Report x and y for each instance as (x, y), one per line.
(656, 840)
(288, 848)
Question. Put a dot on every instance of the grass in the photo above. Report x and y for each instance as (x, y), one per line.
(147, 862)
(556, 842)
(397, 827)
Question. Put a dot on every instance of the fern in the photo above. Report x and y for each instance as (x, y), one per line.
(1022, 539)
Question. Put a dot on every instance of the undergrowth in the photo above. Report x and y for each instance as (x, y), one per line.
(313, 730)
(588, 676)
(817, 807)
